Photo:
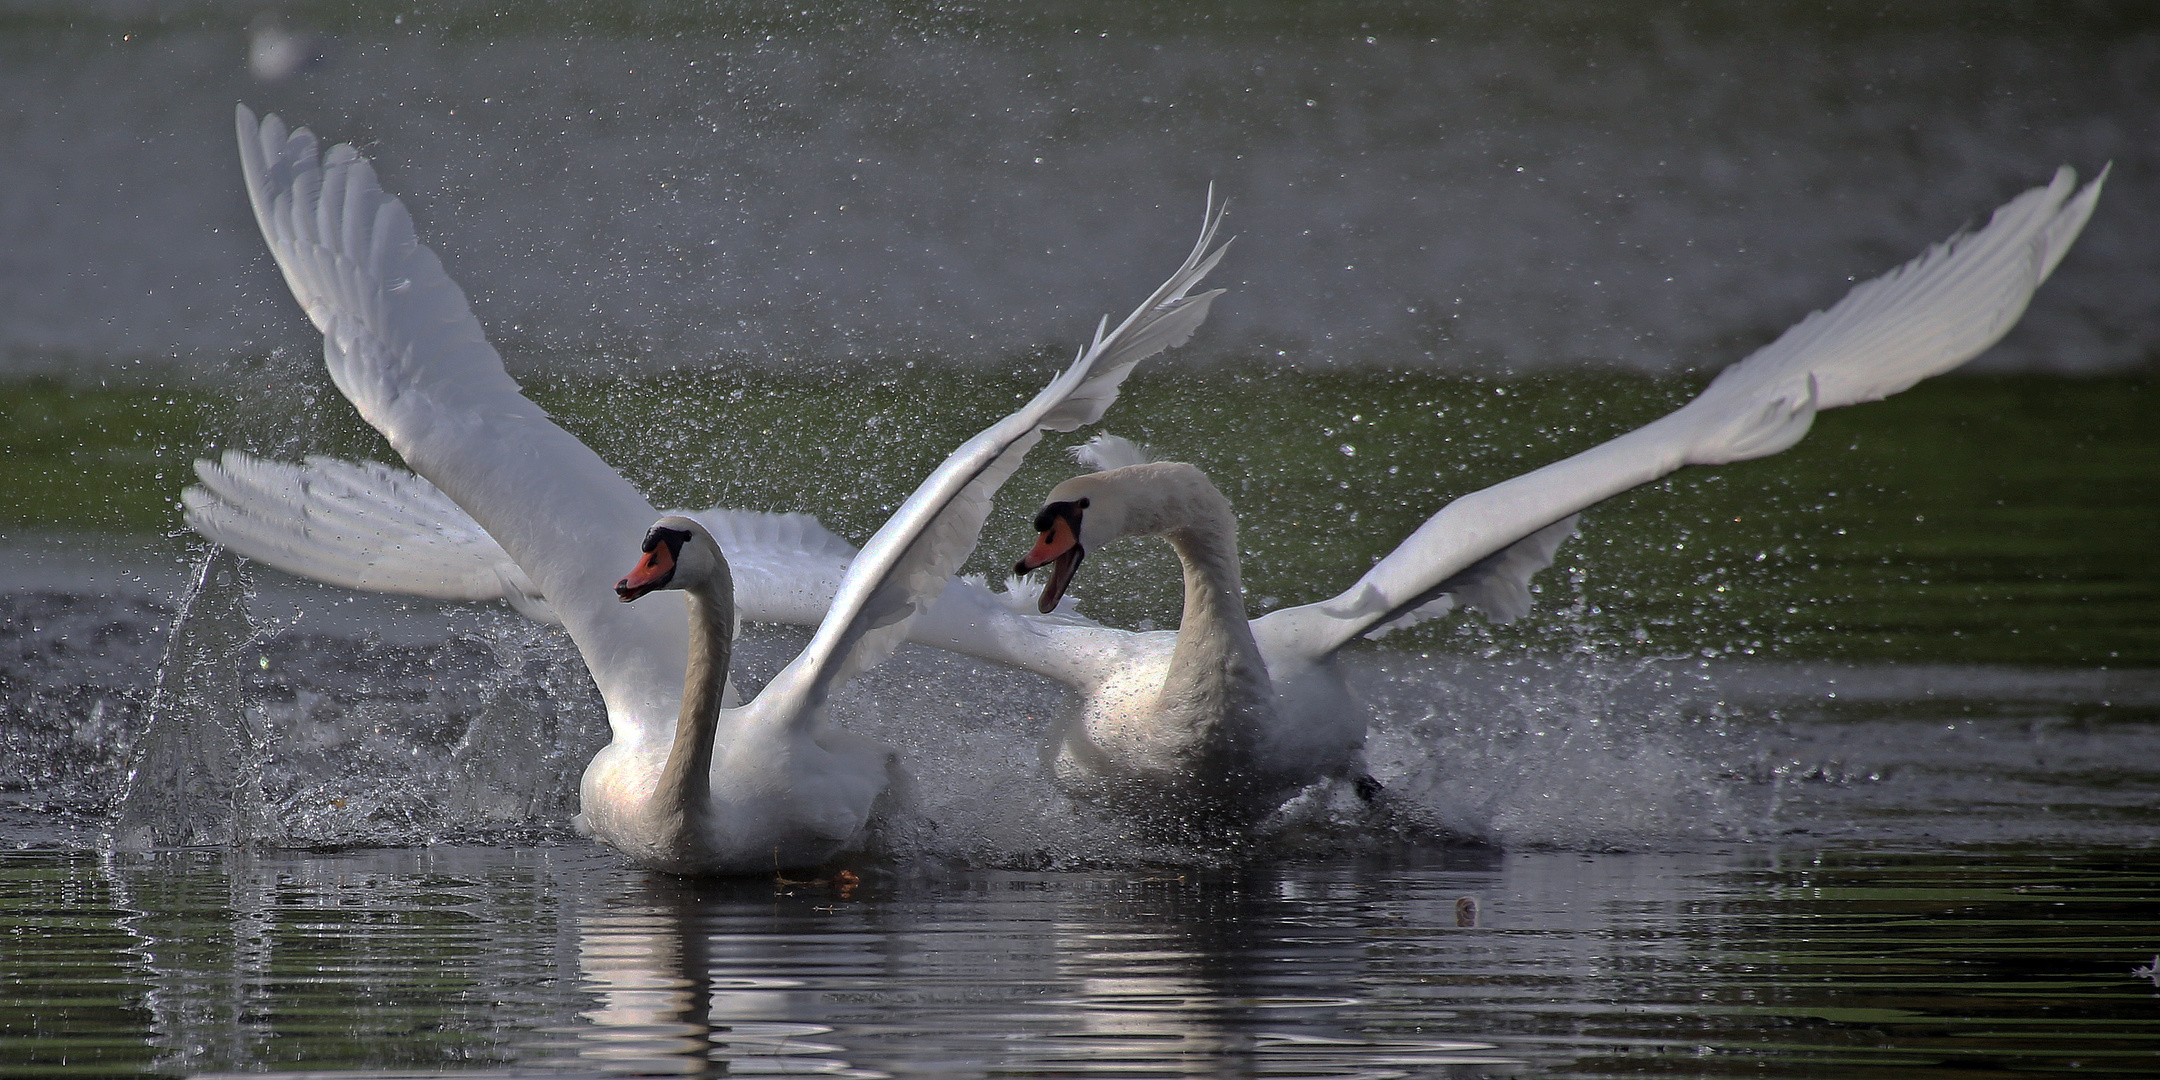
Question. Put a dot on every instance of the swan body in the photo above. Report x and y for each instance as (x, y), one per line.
(1220, 720)
(1186, 721)
(686, 784)
(729, 788)
(1190, 719)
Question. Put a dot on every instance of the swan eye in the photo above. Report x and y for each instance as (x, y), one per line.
(1068, 512)
(661, 534)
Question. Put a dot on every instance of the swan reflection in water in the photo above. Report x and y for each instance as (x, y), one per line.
(442, 961)
(1176, 975)
(661, 1008)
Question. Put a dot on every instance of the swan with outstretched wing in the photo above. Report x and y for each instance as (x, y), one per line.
(687, 784)
(1225, 717)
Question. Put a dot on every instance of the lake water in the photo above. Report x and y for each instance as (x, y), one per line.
(1846, 762)
(543, 962)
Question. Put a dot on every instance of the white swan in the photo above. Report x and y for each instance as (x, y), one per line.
(1226, 716)
(1249, 710)
(686, 785)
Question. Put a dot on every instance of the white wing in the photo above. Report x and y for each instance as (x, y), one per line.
(402, 344)
(907, 564)
(369, 526)
(361, 525)
(1923, 318)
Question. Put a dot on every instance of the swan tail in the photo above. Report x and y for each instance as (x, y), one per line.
(1106, 451)
(1921, 319)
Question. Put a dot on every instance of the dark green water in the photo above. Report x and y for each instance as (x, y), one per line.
(2007, 519)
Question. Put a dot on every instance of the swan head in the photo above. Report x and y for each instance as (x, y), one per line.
(1153, 498)
(1080, 513)
(679, 554)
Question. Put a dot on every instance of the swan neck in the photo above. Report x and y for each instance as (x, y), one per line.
(1214, 589)
(1179, 503)
(686, 781)
(1216, 671)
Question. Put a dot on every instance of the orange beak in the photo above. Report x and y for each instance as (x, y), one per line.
(651, 572)
(1059, 549)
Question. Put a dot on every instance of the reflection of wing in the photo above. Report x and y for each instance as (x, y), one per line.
(369, 526)
(402, 344)
(1923, 318)
(907, 564)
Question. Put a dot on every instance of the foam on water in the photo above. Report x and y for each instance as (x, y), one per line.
(1569, 752)
(316, 729)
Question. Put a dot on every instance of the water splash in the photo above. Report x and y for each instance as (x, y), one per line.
(371, 728)
(1572, 752)
(196, 777)
(261, 733)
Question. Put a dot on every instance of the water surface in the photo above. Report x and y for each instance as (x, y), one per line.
(1466, 963)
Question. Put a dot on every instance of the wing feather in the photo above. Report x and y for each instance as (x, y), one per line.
(402, 344)
(1923, 318)
(365, 525)
(358, 525)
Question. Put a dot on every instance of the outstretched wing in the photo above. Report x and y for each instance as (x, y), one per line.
(361, 525)
(1921, 319)
(364, 525)
(403, 346)
(907, 564)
